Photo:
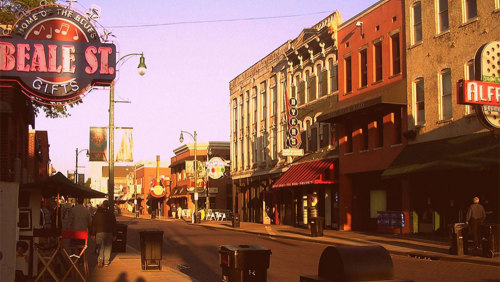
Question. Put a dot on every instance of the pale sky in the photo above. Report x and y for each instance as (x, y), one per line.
(189, 66)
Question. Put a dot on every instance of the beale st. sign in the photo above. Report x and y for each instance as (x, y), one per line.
(56, 55)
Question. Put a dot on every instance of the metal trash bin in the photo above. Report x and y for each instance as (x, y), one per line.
(490, 239)
(120, 244)
(151, 249)
(317, 224)
(459, 244)
(244, 263)
(353, 263)
(236, 220)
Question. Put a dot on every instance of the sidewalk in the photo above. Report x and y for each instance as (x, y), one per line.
(407, 245)
(127, 267)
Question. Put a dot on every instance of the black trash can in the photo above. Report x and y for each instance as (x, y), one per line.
(353, 263)
(246, 263)
(236, 220)
(120, 244)
(317, 224)
(151, 249)
(459, 239)
(490, 239)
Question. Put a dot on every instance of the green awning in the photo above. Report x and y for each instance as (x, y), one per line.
(474, 151)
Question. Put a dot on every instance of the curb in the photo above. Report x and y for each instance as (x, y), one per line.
(414, 254)
(420, 255)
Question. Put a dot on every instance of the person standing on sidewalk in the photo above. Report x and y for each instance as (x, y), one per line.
(80, 220)
(103, 231)
(475, 216)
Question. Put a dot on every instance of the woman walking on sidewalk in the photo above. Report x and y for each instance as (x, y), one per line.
(103, 231)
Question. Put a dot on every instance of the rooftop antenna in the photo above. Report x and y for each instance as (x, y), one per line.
(94, 12)
(69, 1)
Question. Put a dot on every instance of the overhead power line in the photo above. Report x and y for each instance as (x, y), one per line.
(218, 20)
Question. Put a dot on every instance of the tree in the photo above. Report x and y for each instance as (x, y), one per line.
(10, 11)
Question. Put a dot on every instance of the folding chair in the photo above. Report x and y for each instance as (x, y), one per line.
(47, 251)
(76, 251)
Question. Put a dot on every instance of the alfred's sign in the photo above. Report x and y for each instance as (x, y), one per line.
(479, 93)
(56, 54)
(484, 91)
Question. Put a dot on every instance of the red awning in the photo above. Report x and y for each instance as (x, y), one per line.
(315, 172)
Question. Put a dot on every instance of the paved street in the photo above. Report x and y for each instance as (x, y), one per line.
(193, 249)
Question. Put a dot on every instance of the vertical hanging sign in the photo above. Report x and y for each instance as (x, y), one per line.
(98, 144)
(293, 133)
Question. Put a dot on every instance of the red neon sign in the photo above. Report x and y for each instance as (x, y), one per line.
(55, 54)
(473, 92)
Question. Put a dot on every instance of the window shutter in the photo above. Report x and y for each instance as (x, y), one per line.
(324, 135)
(303, 137)
(313, 143)
(302, 92)
(324, 79)
(312, 90)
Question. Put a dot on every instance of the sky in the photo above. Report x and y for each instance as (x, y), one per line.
(189, 67)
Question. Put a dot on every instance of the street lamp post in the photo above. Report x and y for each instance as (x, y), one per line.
(181, 139)
(111, 160)
(76, 164)
(207, 200)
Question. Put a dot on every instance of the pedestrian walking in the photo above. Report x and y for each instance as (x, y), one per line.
(475, 216)
(103, 232)
(80, 220)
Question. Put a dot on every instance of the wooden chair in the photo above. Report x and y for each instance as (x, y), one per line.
(47, 251)
(75, 251)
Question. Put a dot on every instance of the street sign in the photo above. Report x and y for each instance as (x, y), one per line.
(293, 152)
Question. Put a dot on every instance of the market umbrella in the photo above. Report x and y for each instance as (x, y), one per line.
(59, 185)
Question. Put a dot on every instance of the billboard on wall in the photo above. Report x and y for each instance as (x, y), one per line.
(55, 54)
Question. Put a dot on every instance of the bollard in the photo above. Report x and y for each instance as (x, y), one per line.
(236, 220)
(353, 263)
(459, 239)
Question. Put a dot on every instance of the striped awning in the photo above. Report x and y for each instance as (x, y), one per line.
(313, 172)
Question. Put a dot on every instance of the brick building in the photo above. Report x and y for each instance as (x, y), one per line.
(182, 191)
(305, 69)
(451, 156)
(145, 172)
(370, 115)
(38, 156)
(16, 115)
